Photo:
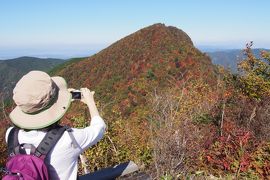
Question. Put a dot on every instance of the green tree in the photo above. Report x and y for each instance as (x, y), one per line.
(255, 73)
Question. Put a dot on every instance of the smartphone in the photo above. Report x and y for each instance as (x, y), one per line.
(76, 95)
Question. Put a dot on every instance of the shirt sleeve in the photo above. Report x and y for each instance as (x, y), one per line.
(90, 135)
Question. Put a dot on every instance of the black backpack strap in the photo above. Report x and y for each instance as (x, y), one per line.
(13, 140)
(49, 141)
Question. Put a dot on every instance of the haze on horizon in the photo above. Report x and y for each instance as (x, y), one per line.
(67, 28)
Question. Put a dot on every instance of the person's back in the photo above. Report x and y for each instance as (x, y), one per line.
(62, 159)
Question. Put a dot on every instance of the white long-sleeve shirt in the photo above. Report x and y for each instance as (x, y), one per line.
(63, 157)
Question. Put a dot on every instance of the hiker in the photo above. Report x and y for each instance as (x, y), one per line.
(41, 103)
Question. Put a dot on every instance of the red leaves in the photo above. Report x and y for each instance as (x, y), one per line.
(226, 165)
(245, 162)
(244, 138)
(209, 158)
(230, 152)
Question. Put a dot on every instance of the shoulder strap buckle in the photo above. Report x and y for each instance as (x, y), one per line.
(74, 142)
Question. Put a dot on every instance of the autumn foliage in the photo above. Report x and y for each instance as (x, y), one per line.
(174, 113)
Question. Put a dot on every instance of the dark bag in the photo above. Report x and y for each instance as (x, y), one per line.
(23, 166)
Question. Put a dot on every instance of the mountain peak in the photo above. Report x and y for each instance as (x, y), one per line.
(159, 49)
(152, 40)
(162, 31)
(126, 74)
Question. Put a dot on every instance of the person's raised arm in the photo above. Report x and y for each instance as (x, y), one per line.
(91, 134)
(88, 99)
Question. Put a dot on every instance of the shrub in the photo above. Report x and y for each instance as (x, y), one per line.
(255, 74)
(229, 153)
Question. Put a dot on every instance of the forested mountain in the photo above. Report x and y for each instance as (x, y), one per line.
(12, 70)
(155, 62)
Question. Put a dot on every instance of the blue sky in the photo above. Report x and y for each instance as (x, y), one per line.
(68, 28)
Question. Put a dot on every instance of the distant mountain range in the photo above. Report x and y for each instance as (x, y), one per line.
(230, 58)
(11, 70)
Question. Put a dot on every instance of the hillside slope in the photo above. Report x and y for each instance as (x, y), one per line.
(13, 69)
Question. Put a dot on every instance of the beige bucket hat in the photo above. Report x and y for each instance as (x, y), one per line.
(41, 100)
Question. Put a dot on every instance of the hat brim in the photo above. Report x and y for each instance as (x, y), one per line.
(47, 117)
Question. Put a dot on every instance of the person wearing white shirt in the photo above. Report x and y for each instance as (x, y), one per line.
(41, 103)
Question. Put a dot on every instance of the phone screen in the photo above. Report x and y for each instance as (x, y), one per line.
(76, 95)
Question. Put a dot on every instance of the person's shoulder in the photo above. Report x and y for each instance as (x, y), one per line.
(98, 121)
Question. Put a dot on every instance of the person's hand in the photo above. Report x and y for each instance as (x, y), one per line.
(87, 96)
(70, 90)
